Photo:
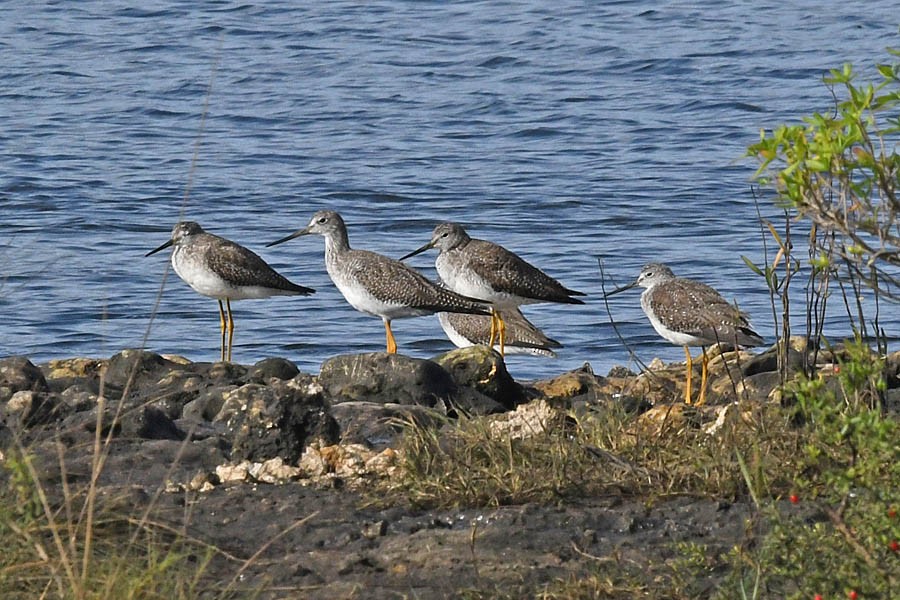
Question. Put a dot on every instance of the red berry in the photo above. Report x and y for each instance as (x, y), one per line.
(853, 595)
(817, 597)
(894, 546)
(794, 498)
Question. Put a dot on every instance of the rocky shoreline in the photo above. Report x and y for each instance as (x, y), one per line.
(264, 461)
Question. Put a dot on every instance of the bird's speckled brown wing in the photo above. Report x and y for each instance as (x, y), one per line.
(699, 310)
(392, 281)
(512, 274)
(242, 267)
(519, 330)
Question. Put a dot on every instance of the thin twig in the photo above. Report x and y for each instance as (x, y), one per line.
(631, 353)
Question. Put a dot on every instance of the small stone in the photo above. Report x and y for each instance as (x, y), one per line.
(229, 473)
(374, 530)
(279, 419)
(228, 373)
(563, 388)
(198, 482)
(666, 416)
(528, 420)
(312, 463)
(657, 364)
(723, 414)
(177, 359)
(385, 462)
(21, 402)
(273, 470)
(150, 424)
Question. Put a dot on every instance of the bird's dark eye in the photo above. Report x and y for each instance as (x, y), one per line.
(445, 234)
(323, 220)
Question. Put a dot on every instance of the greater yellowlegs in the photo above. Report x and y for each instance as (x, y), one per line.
(378, 285)
(522, 337)
(691, 313)
(221, 269)
(484, 270)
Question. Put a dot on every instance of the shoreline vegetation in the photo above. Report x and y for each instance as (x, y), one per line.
(384, 476)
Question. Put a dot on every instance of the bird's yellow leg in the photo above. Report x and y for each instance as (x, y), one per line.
(704, 373)
(493, 328)
(230, 327)
(222, 325)
(502, 327)
(688, 373)
(391, 342)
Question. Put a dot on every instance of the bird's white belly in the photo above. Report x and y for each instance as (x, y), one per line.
(676, 337)
(202, 280)
(362, 300)
(458, 340)
(467, 283)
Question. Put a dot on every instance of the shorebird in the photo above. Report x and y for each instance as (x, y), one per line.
(221, 269)
(378, 285)
(522, 337)
(691, 313)
(484, 270)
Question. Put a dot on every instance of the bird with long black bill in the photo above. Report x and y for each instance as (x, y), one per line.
(690, 313)
(485, 270)
(377, 285)
(221, 269)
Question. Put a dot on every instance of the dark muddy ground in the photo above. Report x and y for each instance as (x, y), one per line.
(314, 542)
(182, 420)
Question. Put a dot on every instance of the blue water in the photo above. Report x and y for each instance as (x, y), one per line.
(565, 131)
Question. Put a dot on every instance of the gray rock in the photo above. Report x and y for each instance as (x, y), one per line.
(380, 426)
(386, 378)
(473, 403)
(222, 373)
(144, 422)
(79, 397)
(207, 404)
(175, 389)
(28, 408)
(767, 362)
(482, 369)
(277, 420)
(17, 374)
(144, 367)
(150, 423)
(268, 368)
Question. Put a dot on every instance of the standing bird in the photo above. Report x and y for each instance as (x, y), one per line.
(221, 269)
(484, 270)
(522, 337)
(690, 313)
(378, 285)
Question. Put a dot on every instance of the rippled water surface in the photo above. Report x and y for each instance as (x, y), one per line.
(565, 131)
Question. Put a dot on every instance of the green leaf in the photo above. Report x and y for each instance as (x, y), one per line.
(752, 266)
